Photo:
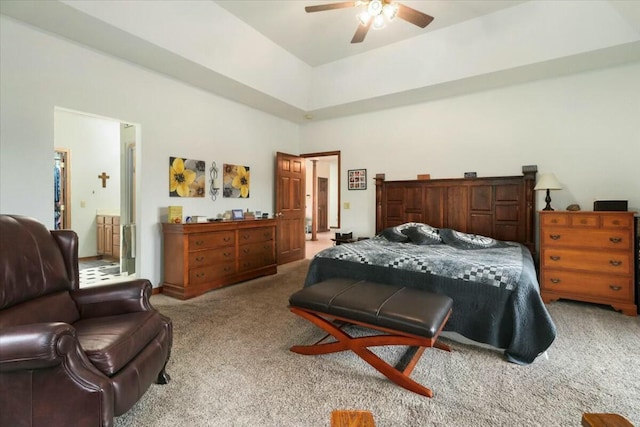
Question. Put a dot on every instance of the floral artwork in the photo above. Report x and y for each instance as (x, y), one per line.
(186, 177)
(235, 181)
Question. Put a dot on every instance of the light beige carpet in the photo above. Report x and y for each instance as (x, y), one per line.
(230, 366)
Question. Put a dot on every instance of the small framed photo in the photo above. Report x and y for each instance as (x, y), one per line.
(357, 179)
(237, 214)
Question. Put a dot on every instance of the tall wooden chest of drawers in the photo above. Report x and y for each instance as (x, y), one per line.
(203, 256)
(588, 256)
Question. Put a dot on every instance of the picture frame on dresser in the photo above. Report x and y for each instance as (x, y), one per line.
(237, 214)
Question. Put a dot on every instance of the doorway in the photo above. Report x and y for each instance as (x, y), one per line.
(326, 165)
(99, 196)
(61, 187)
(323, 204)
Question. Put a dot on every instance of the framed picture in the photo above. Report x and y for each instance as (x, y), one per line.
(357, 179)
(186, 177)
(237, 214)
(235, 181)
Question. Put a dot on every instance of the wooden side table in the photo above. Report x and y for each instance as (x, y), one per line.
(346, 418)
(604, 420)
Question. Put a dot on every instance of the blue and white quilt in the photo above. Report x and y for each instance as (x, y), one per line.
(493, 283)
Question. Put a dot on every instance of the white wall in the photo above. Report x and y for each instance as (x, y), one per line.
(584, 128)
(39, 72)
(94, 147)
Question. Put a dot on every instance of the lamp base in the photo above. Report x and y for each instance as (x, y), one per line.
(548, 200)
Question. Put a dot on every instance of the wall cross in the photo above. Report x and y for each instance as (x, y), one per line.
(104, 177)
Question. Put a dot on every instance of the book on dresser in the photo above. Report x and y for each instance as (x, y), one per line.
(199, 257)
(588, 256)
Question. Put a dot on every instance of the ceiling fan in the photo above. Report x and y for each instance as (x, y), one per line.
(375, 14)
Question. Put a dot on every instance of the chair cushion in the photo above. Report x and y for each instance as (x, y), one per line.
(56, 307)
(113, 341)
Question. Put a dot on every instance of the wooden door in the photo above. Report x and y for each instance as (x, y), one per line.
(323, 204)
(290, 207)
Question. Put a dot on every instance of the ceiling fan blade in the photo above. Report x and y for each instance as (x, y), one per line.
(330, 6)
(414, 16)
(361, 32)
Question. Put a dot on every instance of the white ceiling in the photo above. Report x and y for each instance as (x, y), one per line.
(273, 56)
(321, 37)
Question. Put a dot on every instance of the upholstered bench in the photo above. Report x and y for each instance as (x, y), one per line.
(405, 316)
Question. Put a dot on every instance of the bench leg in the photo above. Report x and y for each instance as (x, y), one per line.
(359, 345)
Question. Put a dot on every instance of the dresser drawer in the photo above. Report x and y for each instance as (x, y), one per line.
(211, 256)
(605, 239)
(211, 240)
(256, 261)
(554, 219)
(593, 285)
(584, 220)
(597, 261)
(617, 221)
(254, 249)
(202, 275)
(260, 234)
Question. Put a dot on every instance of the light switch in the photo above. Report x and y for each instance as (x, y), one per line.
(83, 204)
(347, 205)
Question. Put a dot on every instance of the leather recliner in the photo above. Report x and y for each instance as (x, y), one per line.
(71, 356)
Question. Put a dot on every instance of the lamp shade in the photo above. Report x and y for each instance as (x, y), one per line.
(548, 181)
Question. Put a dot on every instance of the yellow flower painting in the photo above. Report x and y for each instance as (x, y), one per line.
(186, 177)
(235, 181)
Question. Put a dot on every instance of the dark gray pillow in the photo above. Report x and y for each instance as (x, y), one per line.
(461, 240)
(392, 234)
(423, 235)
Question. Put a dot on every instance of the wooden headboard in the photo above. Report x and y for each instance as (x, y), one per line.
(499, 207)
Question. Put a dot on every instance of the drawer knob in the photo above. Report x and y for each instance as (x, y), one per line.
(615, 239)
(199, 242)
(554, 236)
(200, 258)
(615, 263)
(556, 258)
(245, 236)
(226, 239)
(554, 280)
(615, 287)
(227, 254)
(554, 221)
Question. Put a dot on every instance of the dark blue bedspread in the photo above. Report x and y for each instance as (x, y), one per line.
(495, 291)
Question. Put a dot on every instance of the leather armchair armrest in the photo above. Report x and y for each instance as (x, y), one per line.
(111, 300)
(34, 346)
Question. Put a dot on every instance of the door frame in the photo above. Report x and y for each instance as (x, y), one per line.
(328, 154)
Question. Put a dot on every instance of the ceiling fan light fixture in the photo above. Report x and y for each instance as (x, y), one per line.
(364, 18)
(375, 7)
(390, 10)
(378, 22)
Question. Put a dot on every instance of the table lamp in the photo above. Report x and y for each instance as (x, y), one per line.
(548, 181)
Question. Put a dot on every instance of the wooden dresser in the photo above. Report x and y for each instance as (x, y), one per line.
(204, 256)
(588, 256)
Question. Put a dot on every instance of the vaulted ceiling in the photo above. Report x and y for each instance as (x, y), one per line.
(273, 56)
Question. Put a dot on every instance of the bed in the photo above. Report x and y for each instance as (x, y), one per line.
(471, 239)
